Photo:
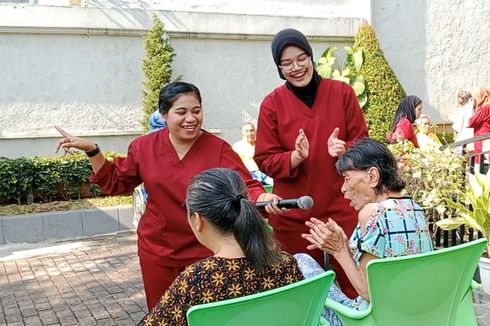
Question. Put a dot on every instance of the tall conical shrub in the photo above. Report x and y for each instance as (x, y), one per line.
(157, 68)
(384, 91)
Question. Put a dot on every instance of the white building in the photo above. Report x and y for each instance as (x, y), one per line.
(77, 63)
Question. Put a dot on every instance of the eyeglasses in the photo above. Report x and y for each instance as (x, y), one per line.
(301, 61)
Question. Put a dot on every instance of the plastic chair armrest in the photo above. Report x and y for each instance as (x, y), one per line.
(475, 285)
(346, 311)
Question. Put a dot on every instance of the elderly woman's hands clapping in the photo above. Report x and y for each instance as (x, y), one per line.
(328, 236)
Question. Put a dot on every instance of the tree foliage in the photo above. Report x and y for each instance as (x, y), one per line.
(157, 68)
(384, 91)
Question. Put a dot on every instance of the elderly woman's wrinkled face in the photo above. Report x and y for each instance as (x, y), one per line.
(296, 66)
(358, 188)
(425, 125)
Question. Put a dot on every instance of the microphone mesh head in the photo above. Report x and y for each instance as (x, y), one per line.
(305, 202)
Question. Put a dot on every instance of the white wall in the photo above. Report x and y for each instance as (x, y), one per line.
(81, 68)
(436, 48)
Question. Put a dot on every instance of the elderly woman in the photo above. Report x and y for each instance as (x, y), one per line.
(372, 184)
(425, 138)
(407, 112)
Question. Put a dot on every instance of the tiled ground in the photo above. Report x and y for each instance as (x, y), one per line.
(94, 282)
(91, 282)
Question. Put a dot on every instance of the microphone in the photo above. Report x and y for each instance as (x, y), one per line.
(303, 202)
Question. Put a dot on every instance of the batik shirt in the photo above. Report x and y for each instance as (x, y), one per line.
(214, 279)
(396, 228)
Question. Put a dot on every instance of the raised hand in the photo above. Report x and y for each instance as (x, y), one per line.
(69, 141)
(325, 236)
(302, 145)
(336, 146)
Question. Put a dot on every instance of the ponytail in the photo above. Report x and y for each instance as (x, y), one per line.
(252, 235)
(220, 196)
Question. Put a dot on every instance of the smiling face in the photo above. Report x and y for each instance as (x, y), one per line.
(359, 187)
(296, 66)
(184, 118)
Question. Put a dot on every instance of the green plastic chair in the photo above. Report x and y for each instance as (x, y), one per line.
(296, 304)
(432, 288)
(268, 188)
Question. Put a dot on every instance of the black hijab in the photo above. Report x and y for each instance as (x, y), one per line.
(306, 94)
(406, 109)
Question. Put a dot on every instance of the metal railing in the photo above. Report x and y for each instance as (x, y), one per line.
(475, 162)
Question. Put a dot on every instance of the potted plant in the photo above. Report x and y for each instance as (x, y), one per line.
(474, 211)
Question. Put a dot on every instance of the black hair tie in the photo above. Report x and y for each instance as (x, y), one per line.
(238, 198)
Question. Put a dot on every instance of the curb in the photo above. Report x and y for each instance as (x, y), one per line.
(54, 226)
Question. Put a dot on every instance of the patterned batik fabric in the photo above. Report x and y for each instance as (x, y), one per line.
(214, 279)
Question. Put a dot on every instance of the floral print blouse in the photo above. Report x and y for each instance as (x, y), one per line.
(214, 279)
(396, 228)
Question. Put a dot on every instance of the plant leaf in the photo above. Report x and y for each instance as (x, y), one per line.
(450, 223)
(358, 87)
(357, 57)
(362, 99)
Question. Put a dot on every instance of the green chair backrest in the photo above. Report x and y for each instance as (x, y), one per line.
(424, 289)
(296, 304)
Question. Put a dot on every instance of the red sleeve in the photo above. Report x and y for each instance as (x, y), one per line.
(271, 157)
(230, 159)
(354, 117)
(479, 117)
(119, 177)
(405, 130)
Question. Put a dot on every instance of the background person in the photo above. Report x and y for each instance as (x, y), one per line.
(460, 123)
(480, 121)
(372, 185)
(407, 112)
(245, 260)
(245, 148)
(303, 126)
(165, 161)
(425, 138)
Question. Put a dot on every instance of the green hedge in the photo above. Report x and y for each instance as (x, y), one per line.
(384, 91)
(46, 178)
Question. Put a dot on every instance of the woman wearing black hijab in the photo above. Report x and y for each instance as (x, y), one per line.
(407, 112)
(303, 126)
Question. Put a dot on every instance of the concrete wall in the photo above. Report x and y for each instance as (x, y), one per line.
(80, 68)
(436, 48)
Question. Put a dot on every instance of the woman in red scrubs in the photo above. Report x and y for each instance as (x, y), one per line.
(165, 161)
